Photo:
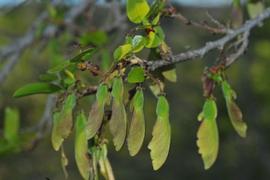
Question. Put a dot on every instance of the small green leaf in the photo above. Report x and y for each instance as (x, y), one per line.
(118, 88)
(137, 10)
(254, 9)
(137, 126)
(80, 57)
(122, 51)
(155, 10)
(227, 90)
(209, 109)
(155, 38)
(138, 43)
(156, 19)
(163, 108)
(118, 121)
(59, 67)
(97, 111)
(81, 147)
(234, 111)
(136, 75)
(170, 75)
(11, 125)
(160, 143)
(62, 122)
(208, 140)
(36, 88)
(69, 78)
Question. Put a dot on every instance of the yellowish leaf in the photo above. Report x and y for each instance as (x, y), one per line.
(118, 121)
(137, 10)
(208, 140)
(97, 111)
(160, 142)
(137, 126)
(81, 147)
(63, 122)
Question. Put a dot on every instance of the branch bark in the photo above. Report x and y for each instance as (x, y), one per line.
(209, 46)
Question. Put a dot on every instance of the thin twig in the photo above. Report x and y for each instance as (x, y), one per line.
(209, 46)
(203, 25)
(233, 57)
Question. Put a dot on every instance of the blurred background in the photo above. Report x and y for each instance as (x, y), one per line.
(238, 158)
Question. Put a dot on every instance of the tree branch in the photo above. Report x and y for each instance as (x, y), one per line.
(209, 46)
(13, 51)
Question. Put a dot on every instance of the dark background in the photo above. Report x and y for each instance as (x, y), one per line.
(238, 158)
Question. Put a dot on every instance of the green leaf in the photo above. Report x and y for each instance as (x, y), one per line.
(234, 111)
(122, 51)
(138, 43)
(69, 78)
(36, 88)
(255, 9)
(105, 166)
(155, 38)
(11, 125)
(62, 122)
(80, 57)
(208, 140)
(155, 10)
(137, 10)
(118, 121)
(156, 19)
(97, 111)
(170, 75)
(81, 147)
(227, 90)
(137, 126)
(209, 109)
(163, 108)
(59, 67)
(118, 88)
(136, 75)
(160, 143)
